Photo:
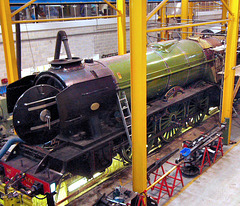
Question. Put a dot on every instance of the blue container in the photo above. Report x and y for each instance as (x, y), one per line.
(3, 89)
(185, 152)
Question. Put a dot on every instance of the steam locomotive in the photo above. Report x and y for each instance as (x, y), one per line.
(69, 118)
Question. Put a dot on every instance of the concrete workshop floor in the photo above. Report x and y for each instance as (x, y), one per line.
(219, 184)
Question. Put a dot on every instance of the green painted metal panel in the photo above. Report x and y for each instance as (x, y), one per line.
(169, 63)
(157, 80)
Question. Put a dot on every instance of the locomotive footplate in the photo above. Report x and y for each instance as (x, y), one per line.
(96, 155)
(68, 156)
(88, 144)
(156, 106)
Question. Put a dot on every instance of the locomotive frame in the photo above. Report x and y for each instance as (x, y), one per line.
(87, 151)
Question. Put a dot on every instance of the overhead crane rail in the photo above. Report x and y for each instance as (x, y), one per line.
(49, 2)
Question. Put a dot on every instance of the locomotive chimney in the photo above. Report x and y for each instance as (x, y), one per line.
(69, 61)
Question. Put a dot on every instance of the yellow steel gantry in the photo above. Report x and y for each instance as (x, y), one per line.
(138, 27)
(164, 22)
(137, 118)
(22, 7)
(64, 19)
(8, 42)
(190, 16)
(184, 18)
(230, 63)
(138, 71)
(158, 7)
(224, 16)
(188, 25)
(122, 49)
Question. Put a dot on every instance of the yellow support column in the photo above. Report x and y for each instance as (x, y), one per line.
(224, 16)
(121, 6)
(164, 22)
(138, 93)
(230, 62)
(8, 42)
(184, 17)
(190, 29)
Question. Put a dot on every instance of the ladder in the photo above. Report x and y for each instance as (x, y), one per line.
(125, 114)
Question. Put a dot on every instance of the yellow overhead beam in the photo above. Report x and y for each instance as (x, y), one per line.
(122, 48)
(22, 7)
(229, 72)
(188, 25)
(32, 1)
(138, 42)
(208, 7)
(154, 11)
(227, 7)
(217, 3)
(8, 42)
(65, 19)
(184, 18)
(170, 16)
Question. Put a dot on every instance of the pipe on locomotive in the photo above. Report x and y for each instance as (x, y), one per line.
(11, 141)
(62, 37)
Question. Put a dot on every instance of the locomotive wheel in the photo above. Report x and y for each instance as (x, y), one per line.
(127, 153)
(151, 132)
(126, 150)
(150, 144)
(170, 122)
(153, 144)
(198, 108)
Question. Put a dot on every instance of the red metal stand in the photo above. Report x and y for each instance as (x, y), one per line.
(219, 148)
(176, 178)
(167, 185)
(162, 186)
(206, 159)
(141, 201)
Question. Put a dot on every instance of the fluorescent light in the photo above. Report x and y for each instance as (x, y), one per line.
(77, 184)
(97, 174)
(53, 187)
